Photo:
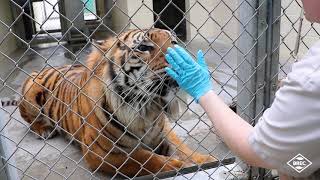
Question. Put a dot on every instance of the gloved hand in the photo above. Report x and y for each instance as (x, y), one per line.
(192, 76)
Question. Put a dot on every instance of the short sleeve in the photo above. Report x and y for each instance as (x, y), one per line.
(291, 126)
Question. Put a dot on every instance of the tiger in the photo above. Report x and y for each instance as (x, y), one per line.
(116, 106)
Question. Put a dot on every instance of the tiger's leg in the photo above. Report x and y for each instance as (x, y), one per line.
(139, 162)
(180, 149)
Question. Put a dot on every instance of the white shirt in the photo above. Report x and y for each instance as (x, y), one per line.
(292, 124)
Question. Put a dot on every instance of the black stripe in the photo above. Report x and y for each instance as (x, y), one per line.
(71, 75)
(129, 97)
(159, 150)
(62, 112)
(107, 135)
(76, 65)
(129, 33)
(50, 109)
(135, 33)
(123, 59)
(139, 36)
(126, 80)
(53, 86)
(134, 57)
(122, 46)
(126, 36)
(112, 73)
(97, 143)
(38, 98)
(119, 90)
(115, 122)
(167, 150)
(44, 83)
(155, 85)
(55, 82)
(50, 83)
(54, 101)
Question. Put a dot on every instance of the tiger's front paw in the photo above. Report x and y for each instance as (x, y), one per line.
(175, 164)
(45, 132)
(201, 159)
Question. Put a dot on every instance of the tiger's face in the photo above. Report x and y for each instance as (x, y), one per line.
(136, 65)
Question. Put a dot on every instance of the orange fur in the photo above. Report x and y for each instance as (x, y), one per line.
(90, 105)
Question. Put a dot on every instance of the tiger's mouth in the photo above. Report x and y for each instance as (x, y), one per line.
(169, 85)
(170, 82)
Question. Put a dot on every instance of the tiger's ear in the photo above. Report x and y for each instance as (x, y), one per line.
(104, 45)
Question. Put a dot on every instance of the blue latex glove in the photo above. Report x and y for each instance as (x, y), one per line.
(192, 76)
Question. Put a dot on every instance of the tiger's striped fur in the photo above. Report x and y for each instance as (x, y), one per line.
(114, 106)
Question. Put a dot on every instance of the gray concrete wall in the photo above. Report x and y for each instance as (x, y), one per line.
(9, 44)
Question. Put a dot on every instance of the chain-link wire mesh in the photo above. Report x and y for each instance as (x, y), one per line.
(248, 47)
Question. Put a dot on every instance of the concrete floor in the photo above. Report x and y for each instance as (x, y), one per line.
(57, 159)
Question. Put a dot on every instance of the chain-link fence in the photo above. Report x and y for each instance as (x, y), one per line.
(111, 132)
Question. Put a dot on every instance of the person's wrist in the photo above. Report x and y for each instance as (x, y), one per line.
(205, 96)
(204, 90)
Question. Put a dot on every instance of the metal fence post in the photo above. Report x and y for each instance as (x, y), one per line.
(273, 50)
(247, 60)
(257, 61)
(271, 63)
(247, 56)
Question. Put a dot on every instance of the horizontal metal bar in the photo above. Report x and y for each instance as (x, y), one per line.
(189, 170)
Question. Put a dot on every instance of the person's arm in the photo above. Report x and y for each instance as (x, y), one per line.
(232, 128)
(287, 128)
(195, 79)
